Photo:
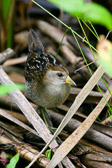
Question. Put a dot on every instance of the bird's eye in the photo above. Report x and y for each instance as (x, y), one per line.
(59, 74)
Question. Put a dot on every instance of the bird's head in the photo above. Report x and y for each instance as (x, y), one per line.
(57, 75)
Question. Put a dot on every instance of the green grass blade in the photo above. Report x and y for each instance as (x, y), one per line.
(5, 89)
(13, 161)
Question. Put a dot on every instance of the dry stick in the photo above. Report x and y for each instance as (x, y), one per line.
(73, 139)
(107, 120)
(31, 114)
(17, 77)
(78, 101)
(75, 92)
(26, 151)
(15, 61)
(21, 39)
(8, 53)
(92, 134)
(53, 32)
(58, 35)
(16, 121)
(68, 53)
(16, 115)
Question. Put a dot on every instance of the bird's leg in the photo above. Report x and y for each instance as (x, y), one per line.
(46, 117)
(43, 112)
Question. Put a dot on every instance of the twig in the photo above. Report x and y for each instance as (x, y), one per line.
(16, 115)
(91, 134)
(16, 121)
(58, 35)
(53, 32)
(26, 151)
(15, 61)
(107, 120)
(70, 55)
(21, 38)
(8, 53)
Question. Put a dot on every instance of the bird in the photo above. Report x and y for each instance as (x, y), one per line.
(47, 82)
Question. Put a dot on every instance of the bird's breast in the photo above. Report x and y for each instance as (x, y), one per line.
(57, 95)
(47, 96)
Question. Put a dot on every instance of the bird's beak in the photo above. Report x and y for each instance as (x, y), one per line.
(70, 81)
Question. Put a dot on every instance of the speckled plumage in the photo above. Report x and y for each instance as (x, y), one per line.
(38, 60)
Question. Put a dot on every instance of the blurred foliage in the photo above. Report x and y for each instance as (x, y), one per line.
(5, 89)
(105, 54)
(107, 62)
(7, 9)
(13, 161)
(87, 11)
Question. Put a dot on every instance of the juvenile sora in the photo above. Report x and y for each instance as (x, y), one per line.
(47, 83)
